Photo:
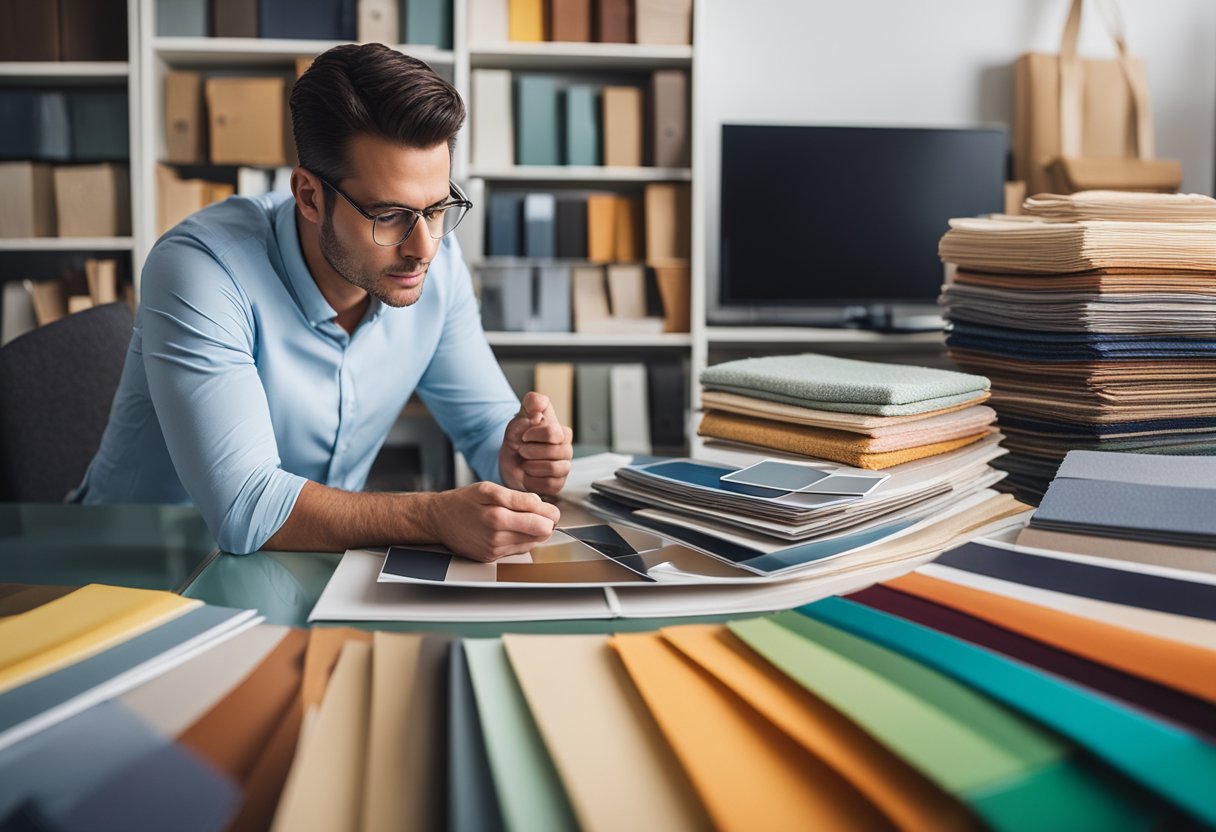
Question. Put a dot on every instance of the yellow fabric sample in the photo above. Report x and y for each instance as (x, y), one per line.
(78, 625)
(834, 445)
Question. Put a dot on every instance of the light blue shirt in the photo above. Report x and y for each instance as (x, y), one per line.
(239, 385)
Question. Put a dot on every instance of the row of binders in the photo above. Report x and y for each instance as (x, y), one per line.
(42, 200)
(383, 21)
(535, 119)
(599, 227)
(27, 304)
(654, 22)
(630, 408)
(621, 299)
(64, 30)
(78, 125)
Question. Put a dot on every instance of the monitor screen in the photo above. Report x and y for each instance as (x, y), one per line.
(815, 219)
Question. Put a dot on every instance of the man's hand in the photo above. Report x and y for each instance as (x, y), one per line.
(536, 449)
(485, 521)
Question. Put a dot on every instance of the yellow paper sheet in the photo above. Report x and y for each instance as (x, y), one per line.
(79, 625)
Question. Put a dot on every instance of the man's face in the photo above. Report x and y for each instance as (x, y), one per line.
(385, 175)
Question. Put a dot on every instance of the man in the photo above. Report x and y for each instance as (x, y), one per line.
(278, 339)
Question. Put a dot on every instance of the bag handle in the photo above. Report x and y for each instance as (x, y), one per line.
(1072, 83)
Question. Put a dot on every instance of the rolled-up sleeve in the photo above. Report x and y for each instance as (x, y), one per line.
(463, 386)
(199, 340)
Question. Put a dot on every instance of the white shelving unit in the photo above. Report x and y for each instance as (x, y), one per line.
(674, 340)
(76, 74)
(717, 335)
(151, 56)
(265, 52)
(578, 56)
(61, 72)
(571, 174)
(67, 244)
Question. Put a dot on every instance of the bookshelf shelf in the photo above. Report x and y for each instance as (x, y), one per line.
(581, 339)
(60, 72)
(815, 335)
(575, 173)
(67, 244)
(569, 56)
(266, 52)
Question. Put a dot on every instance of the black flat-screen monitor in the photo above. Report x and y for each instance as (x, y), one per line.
(840, 225)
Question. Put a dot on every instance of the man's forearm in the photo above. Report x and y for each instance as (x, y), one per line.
(331, 520)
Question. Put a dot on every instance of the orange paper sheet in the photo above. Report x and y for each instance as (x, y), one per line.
(1180, 666)
(905, 796)
(749, 774)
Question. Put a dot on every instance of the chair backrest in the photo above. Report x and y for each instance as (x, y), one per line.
(56, 387)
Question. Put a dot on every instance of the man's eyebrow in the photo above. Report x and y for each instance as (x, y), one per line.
(380, 206)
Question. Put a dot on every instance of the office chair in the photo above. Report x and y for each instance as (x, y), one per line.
(56, 386)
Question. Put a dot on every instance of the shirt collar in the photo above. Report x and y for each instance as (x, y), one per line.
(308, 296)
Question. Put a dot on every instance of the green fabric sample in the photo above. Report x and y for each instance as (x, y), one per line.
(529, 791)
(844, 385)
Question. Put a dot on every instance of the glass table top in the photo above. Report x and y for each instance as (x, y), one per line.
(169, 547)
(144, 546)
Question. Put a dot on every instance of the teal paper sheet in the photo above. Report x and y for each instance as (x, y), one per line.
(1172, 763)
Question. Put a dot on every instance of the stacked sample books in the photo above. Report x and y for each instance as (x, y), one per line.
(860, 413)
(693, 537)
(1144, 508)
(1095, 317)
(1000, 688)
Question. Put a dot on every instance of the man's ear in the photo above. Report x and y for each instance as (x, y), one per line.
(307, 190)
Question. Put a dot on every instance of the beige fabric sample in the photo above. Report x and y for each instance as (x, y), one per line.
(324, 790)
(616, 768)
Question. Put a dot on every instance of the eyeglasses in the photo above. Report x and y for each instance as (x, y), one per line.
(392, 226)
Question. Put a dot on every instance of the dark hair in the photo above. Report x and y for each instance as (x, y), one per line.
(369, 88)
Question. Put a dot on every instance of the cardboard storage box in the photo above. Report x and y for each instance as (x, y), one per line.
(28, 207)
(184, 118)
(248, 121)
(93, 200)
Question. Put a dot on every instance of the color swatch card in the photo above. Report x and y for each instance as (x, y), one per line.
(578, 557)
(786, 477)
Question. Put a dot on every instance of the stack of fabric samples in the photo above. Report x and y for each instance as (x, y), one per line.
(1095, 317)
(860, 413)
(1144, 508)
(998, 689)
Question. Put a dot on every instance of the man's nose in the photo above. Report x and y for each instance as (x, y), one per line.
(420, 245)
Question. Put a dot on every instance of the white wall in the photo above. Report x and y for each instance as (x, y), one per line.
(935, 63)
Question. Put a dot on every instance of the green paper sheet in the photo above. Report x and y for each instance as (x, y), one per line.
(530, 793)
(922, 731)
(984, 753)
(1174, 764)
